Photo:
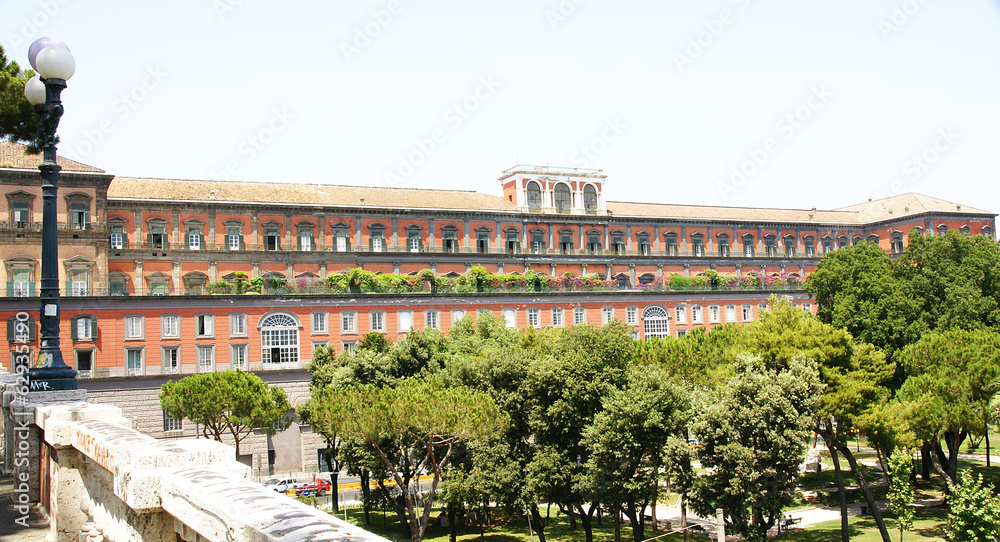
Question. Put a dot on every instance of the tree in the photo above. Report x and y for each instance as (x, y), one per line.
(232, 403)
(975, 510)
(414, 427)
(681, 473)
(626, 443)
(901, 489)
(952, 377)
(18, 121)
(753, 436)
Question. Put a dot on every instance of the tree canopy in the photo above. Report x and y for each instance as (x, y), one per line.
(18, 121)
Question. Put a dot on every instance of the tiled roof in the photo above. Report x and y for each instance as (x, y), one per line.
(125, 188)
(907, 204)
(750, 214)
(15, 156)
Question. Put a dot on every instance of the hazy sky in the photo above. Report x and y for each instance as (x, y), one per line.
(785, 103)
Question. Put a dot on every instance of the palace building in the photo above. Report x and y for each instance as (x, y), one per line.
(143, 262)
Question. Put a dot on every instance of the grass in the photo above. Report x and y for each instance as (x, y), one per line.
(929, 525)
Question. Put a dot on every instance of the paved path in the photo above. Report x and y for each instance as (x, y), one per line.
(38, 527)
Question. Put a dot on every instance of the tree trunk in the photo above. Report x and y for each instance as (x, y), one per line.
(652, 511)
(684, 517)
(949, 462)
(987, 445)
(452, 529)
(618, 526)
(586, 520)
(869, 498)
(845, 532)
(537, 524)
(366, 494)
(925, 461)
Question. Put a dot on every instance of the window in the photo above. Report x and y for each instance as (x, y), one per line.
(510, 318)
(697, 245)
(810, 247)
(279, 334)
(118, 240)
(533, 195)
(238, 357)
(842, 242)
(79, 216)
(376, 239)
(513, 242)
(681, 333)
(563, 198)
(557, 317)
(170, 326)
(159, 284)
(414, 243)
(171, 359)
(713, 314)
(671, 239)
(790, 247)
(21, 213)
(21, 285)
(537, 242)
(195, 240)
(655, 322)
(78, 281)
(319, 323)
(644, 244)
(405, 321)
(234, 238)
(770, 246)
(133, 360)
(761, 308)
(681, 314)
(349, 347)
(204, 325)
(135, 327)
(484, 312)
(618, 243)
(534, 318)
(748, 246)
(237, 324)
(730, 313)
(897, 243)
(457, 315)
(724, 246)
(696, 315)
(206, 358)
(450, 240)
(607, 315)
(272, 238)
(483, 242)
(747, 313)
(305, 238)
(942, 229)
(566, 242)
(590, 198)
(631, 316)
(157, 237)
(83, 328)
(807, 307)
(827, 245)
(172, 424)
(377, 321)
(579, 316)
(348, 322)
(195, 283)
(341, 241)
(432, 320)
(594, 242)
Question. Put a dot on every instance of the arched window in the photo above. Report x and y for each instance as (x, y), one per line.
(655, 322)
(279, 339)
(534, 196)
(563, 199)
(590, 198)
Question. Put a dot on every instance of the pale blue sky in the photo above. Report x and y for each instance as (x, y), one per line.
(288, 93)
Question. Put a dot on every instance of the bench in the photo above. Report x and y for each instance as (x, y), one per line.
(787, 523)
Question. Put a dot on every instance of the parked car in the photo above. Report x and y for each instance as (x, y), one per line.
(319, 488)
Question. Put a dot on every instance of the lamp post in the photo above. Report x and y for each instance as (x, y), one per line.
(54, 63)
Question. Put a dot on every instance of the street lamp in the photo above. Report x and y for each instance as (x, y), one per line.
(54, 63)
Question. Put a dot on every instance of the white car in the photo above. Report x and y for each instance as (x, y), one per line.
(282, 485)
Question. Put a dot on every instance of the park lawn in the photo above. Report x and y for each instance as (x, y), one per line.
(929, 525)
